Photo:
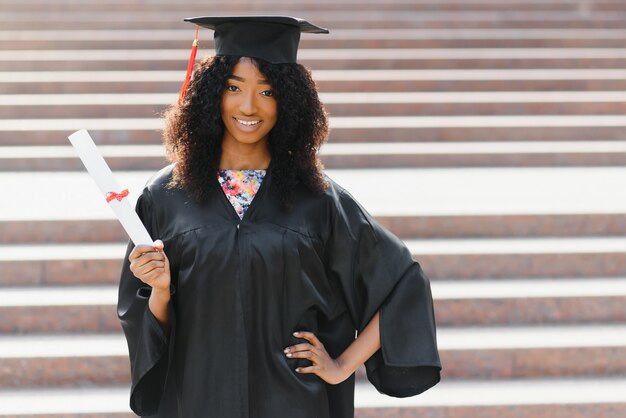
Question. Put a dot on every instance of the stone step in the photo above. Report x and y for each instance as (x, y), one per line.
(538, 398)
(428, 6)
(490, 21)
(27, 265)
(182, 35)
(549, 398)
(162, 4)
(382, 42)
(127, 56)
(467, 353)
(444, 226)
(363, 109)
(115, 131)
(174, 83)
(523, 301)
(505, 258)
(251, 7)
(337, 98)
(340, 38)
(92, 82)
(326, 59)
(340, 98)
(349, 155)
(91, 309)
(321, 15)
(338, 13)
(434, 192)
(342, 17)
(50, 106)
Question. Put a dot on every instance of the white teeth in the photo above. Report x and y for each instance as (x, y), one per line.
(248, 123)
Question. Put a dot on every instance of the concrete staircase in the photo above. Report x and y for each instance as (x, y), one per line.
(488, 134)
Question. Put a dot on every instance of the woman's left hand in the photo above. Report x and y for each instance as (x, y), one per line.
(330, 370)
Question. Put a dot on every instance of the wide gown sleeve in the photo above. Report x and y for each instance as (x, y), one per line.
(148, 346)
(377, 273)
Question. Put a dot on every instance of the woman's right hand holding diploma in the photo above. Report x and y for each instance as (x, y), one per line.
(150, 265)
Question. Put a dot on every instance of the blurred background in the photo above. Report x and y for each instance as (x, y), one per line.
(488, 134)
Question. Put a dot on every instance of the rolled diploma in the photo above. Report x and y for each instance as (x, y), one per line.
(102, 175)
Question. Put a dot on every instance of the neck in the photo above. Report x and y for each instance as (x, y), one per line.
(240, 156)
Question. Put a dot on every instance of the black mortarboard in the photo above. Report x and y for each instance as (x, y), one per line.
(271, 38)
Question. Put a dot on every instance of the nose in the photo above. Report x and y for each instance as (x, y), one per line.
(248, 106)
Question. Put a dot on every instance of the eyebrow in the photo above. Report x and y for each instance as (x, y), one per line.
(236, 77)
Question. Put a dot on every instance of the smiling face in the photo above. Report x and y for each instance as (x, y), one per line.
(249, 109)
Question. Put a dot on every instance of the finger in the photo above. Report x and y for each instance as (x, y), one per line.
(152, 275)
(298, 347)
(147, 268)
(158, 245)
(147, 278)
(138, 269)
(310, 355)
(309, 336)
(309, 369)
(141, 250)
(165, 259)
(141, 269)
(138, 251)
(158, 254)
(148, 258)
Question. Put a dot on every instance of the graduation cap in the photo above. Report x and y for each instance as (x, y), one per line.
(274, 39)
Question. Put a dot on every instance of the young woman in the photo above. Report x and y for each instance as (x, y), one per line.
(265, 269)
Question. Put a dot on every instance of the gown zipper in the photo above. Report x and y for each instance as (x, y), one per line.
(243, 368)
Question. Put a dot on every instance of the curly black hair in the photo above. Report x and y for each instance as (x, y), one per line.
(194, 129)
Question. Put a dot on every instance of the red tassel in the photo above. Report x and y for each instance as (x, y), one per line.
(190, 65)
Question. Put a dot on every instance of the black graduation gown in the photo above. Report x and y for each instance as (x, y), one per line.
(240, 288)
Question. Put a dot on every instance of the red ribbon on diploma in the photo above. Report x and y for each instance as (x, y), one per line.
(119, 196)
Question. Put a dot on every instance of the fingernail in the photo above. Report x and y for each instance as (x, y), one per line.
(286, 350)
(289, 354)
(298, 369)
(295, 334)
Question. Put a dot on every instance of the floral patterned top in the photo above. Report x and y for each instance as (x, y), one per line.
(240, 187)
